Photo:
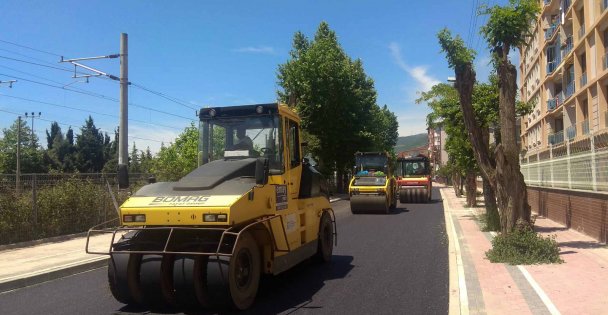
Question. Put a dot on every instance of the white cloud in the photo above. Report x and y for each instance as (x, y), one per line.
(256, 50)
(418, 73)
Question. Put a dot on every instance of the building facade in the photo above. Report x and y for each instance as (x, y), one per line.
(563, 71)
(436, 147)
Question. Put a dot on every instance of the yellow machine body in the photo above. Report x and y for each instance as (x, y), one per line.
(265, 198)
(372, 188)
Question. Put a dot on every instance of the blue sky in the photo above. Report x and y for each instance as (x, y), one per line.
(213, 53)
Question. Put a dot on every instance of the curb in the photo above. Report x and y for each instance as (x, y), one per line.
(52, 273)
(53, 239)
(458, 298)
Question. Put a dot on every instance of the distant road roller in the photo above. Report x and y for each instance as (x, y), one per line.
(414, 179)
(373, 187)
(254, 206)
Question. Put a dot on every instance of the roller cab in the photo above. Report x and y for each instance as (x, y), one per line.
(372, 188)
(252, 206)
(414, 179)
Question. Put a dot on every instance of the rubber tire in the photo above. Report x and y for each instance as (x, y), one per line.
(403, 196)
(325, 242)
(244, 297)
(118, 279)
(183, 282)
(155, 281)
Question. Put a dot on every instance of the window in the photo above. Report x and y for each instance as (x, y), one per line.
(293, 142)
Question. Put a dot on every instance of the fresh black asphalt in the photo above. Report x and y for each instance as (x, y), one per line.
(384, 264)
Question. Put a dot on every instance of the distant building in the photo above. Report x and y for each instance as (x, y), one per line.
(436, 147)
(414, 151)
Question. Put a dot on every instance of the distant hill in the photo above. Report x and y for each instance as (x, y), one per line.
(409, 142)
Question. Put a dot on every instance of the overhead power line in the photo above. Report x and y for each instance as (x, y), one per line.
(87, 111)
(70, 125)
(30, 48)
(101, 96)
(172, 99)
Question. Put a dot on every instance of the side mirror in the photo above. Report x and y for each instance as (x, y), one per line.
(261, 171)
(123, 176)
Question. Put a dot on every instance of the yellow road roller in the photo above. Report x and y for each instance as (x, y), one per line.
(414, 179)
(253, 206)
(372, 188)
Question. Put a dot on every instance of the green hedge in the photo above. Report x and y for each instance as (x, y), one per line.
(69, 206)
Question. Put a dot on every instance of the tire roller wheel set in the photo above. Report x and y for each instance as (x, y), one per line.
(414, 195)
(161, 281)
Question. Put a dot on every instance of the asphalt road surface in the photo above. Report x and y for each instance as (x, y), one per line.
(384, 264)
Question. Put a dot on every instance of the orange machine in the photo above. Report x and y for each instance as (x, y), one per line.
(414, 179)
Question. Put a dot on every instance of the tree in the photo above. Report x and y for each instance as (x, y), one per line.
(443, 100)
(31, 160)
(334, 97)
(179, 158)
(90, 148)
(507, 27)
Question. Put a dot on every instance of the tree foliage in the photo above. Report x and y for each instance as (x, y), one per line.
(179, 158)
(336, 100)
(31, 155)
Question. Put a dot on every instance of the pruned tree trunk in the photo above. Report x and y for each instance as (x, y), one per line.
(489, 196)
(465, 79)
(511, 188)
(471, 189)
(489, 199)
(456, 184)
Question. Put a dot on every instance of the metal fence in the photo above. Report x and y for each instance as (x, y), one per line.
(46, 205)
(580, 164)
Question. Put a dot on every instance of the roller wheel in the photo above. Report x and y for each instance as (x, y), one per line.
(402, 197)
(325, 243)
(118, 278)
(245, 271)
(236, 279)
(155, 281)
(393, 201)
(189, 281)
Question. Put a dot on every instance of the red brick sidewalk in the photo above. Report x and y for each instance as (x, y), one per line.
(578, 286)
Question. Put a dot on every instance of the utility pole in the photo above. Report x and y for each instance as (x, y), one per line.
(33, 115)
(123, 149)
(18, 171)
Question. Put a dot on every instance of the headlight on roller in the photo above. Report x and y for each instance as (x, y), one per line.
(215, 217)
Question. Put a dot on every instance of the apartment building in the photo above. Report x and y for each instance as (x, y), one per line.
(564, 141)
(563, 71)
(436, 147)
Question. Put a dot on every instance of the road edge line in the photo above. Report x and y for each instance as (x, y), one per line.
(458, 305)
(51, 274)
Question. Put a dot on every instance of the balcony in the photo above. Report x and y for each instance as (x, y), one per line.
(556, 138)
(570, 88)
(571, 132)
(552, 65)
(551, 30)
(581, 31)
(583, 79)
(585, 126)
(568, 47)
(551, 105)
(559, 99)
